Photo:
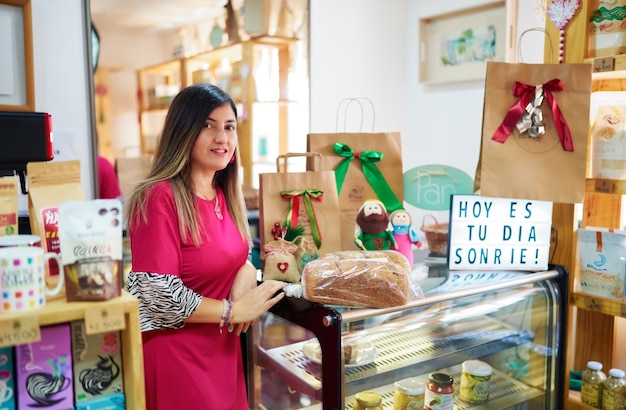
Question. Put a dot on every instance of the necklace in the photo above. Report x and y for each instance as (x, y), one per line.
(218, 211)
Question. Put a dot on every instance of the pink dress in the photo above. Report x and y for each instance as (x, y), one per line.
(194, 366)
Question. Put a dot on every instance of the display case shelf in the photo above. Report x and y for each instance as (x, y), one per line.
(396, 351)
(505, 392)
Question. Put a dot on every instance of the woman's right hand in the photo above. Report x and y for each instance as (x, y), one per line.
(252, 304)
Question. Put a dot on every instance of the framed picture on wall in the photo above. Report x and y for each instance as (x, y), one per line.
(17, 90)
(456, 46)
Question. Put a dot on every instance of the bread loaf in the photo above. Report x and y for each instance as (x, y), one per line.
(358, 278)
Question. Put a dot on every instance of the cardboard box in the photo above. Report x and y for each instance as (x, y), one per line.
(44, 371)
(97, 362)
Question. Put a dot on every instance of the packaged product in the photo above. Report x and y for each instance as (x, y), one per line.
(91, 248)
(49, 184)
(602, 263)
(358, 278)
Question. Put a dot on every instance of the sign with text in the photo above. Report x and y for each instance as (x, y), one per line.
(499, 233)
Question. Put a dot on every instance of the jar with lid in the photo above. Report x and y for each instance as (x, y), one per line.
(367, 400)
(439, 392)
(614, 391)
(409, 395)
(475, 381)
(592, 383)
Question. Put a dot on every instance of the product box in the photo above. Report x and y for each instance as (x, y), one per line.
(97, 363)
(44, 371)
(7, 379)
(112, 402)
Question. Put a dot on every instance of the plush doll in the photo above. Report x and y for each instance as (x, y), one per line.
(404, 234)
(373, 230)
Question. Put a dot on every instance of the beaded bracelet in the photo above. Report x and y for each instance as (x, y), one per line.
(228, 307)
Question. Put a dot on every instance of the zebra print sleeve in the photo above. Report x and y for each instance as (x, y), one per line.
(164, 301)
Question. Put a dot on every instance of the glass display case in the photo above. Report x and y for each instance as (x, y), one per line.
(300, 355)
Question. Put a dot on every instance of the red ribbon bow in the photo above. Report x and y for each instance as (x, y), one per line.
(526, 93)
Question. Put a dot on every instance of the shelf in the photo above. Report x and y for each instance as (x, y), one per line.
(505, 392)
(399, 347)
(253, 72)
(573, 402)
(59, 311)
(607, 64)
(606, 186)
(598, 304)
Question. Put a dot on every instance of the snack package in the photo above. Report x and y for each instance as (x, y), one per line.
(358, 278)
(91, 248)
(601, 268)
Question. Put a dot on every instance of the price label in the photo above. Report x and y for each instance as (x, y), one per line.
(104, 319)
(19, 331)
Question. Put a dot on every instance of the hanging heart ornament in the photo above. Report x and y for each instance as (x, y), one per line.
(560, 13)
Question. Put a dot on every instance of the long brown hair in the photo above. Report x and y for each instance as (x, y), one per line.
(171, 162)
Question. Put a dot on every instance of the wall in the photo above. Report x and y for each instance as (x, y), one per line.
(62, 81)
(372, 54)
(369, 48)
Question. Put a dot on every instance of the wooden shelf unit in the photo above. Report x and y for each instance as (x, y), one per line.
(591, 320)
(58, 311)
(208, 67)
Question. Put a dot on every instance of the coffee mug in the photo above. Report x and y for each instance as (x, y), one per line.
(19, 240)
(23, 278)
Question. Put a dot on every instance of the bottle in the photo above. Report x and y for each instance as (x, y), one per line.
(367, 400)
(593, 379)
(439, 392)
(614, 391)
(408, 395)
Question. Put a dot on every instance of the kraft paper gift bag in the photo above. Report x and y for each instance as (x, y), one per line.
(299, 206)
(367, 165)
(534, 134)
(131, 171)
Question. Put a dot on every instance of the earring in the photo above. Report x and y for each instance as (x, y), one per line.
(232, 159)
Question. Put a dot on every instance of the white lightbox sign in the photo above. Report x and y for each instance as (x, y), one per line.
(499, 233)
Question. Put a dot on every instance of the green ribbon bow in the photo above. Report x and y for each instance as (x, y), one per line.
(371, 172)
(294, 209)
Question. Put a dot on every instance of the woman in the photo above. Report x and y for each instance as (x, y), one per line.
(189, 241)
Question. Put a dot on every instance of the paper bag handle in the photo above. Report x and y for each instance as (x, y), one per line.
(284, 159)
(347, 102)
(519, 42)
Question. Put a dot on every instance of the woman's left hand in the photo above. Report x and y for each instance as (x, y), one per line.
(244, 281)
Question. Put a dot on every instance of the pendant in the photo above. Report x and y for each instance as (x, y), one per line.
(218, 211)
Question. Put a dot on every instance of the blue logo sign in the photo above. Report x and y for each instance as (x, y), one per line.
(431, 186)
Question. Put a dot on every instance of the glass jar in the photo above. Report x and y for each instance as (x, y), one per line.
(409, 395)
(593, 380)
(475, 381)
(614, 391)
(367, 400)
(439, 392)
